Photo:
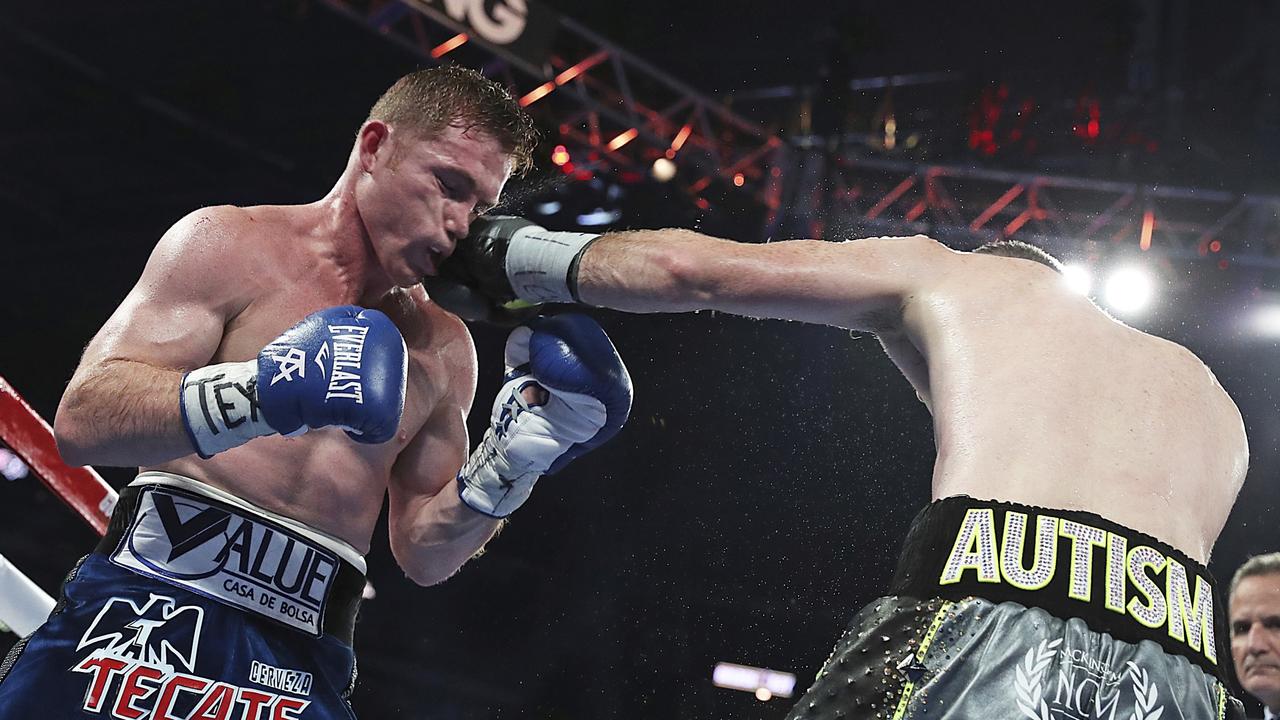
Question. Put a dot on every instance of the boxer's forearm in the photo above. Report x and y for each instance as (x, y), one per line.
(851, 284)
(668, 270)
(121, 413)
(441, 537)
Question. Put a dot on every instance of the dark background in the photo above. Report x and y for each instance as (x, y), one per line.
(769, 470)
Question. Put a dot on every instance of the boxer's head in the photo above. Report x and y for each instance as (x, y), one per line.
(1019, 249)
(433, 154)
(1254, 615)
(427, 102)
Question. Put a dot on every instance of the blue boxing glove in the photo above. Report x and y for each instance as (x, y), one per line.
(344, 366)
(566, 392)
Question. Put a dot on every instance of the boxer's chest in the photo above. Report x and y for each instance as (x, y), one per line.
(281, 307)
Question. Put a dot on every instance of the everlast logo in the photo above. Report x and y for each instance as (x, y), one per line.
(1140, 581)
(244, 561)
(348, 347)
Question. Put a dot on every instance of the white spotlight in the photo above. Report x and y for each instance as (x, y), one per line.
(765, 684)
(1266, 321)
(1078, 278)
(1129, 290)
(599, 216)
(11, 466)
(663, 169)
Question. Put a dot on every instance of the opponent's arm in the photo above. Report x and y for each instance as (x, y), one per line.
(852, 284)
(120, 407)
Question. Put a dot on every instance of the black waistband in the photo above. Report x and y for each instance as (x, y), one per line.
(343, 583)
(1072, 564)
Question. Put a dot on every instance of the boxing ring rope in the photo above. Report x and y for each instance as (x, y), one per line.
(23, 605)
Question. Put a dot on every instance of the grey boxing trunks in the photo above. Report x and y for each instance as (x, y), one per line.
(1008, 611)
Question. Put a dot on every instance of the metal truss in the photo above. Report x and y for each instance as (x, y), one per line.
(967, 206)
(613, 106)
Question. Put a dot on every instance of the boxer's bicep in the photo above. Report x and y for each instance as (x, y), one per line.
(432, 532)
(121, 406)
(174, 317)
(430, 460)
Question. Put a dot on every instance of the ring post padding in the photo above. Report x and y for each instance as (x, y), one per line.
(31, 438)
(23, 605)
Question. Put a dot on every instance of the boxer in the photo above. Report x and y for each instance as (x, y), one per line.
(276, 373)
(1084, 469)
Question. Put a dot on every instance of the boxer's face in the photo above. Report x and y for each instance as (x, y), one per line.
(1255, 636)
(417, 196)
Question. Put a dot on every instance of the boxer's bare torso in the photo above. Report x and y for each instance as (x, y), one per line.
(273, 266)
(1037, 395)
(225, 281)
(322, 478)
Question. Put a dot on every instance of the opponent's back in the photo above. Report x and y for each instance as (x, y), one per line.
(1040, 397)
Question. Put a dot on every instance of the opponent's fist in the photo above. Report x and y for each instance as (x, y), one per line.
(566, 392)
(505, 268)
(344, 366)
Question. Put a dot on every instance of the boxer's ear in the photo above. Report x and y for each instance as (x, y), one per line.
(373, 137)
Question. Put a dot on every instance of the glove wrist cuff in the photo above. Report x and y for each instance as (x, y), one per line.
(482, 485)
(542, 264)
(220, 407)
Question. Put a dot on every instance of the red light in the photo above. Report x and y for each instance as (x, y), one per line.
(738, 179)
(1223, 264)
(537, 94)
(1148, 224)
(622, 138)
(702, 203)
(448, 46)
(560, 155)
(1215, 246)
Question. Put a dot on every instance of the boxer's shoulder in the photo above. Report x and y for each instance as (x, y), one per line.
(439, 342)
(226, 237)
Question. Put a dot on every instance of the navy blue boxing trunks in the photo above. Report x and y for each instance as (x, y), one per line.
(195, 606)
(1013, 612)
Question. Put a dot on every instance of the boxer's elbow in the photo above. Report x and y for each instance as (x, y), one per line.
(73, 428)
(426, 574)
(75, 444)
(424, 577)
(425, 564)
(83, 428)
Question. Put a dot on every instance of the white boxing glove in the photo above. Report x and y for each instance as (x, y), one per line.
(566, 392)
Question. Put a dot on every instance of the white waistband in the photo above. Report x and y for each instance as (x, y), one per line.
(339, 546)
